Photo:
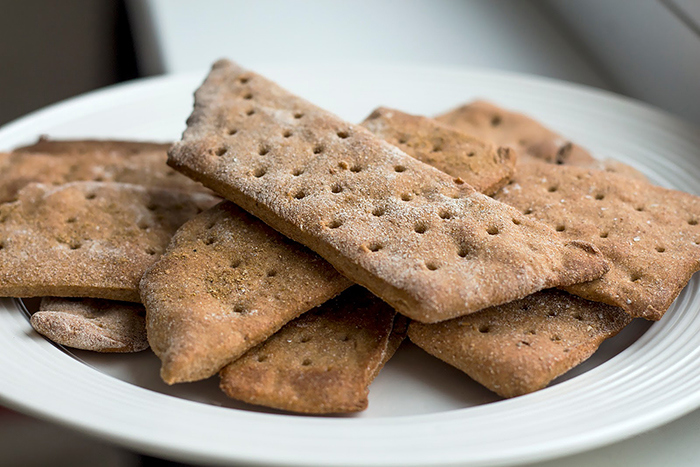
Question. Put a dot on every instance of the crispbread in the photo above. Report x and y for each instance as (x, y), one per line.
(102, 161)
(500, 126)
(481, 164)
(225, 284)
(492, 123)
(429, 245)
(46, 145)
(520, 347)
(649, 234)
(322, 362)
(92, 324)
(87, 239)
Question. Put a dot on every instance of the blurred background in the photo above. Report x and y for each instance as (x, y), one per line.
(646, 49)
(50, 50)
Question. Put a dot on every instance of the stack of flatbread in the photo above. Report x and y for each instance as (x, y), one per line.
(291, 252)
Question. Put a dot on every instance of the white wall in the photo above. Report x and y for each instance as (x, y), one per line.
(178, 35)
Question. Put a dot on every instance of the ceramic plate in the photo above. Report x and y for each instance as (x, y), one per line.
(422, 412)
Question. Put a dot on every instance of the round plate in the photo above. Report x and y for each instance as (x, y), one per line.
(422, 412)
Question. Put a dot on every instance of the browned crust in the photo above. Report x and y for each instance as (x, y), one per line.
(481, 164)
(87, 239)
(492, 123)
(520, 347)
(323, 362)
(225, 284)
(649, 234)
(322, 181)
(92, 324)
(64, 161)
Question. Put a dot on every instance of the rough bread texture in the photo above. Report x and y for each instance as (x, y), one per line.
(531, 138)
(520, 347)
(225, 284)
(47, 145)
(322, 362)
(649, 234)
(481, 164)
(88, 239)
(100, 161)
(428, 244)
(92, 324)
(492, 123)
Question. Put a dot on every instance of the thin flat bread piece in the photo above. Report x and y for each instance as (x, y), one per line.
(322, 362)
(92, 324)
(503, 127)
(88, 239)
(429, 245)
(226, 283)
(520, 347)
(47, 145)
(481, 164)
(507, 128)
(649, 234)
(100, 161)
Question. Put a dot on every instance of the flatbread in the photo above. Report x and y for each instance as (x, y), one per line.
(322, 362)
(504, 127)
(92, 324)
(481, 164)
(520, 347)
(649, 234)
(87, 239)
(426, 243)
(226, 283)
(59, 162)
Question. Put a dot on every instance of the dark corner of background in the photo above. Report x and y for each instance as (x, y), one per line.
(56, 50)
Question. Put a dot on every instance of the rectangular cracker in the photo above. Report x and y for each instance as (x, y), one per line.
(503, 127)
(92, 324)
(59, 162)
(225, 284)
(649, 234)
(481, 164)
(520, 347)
(531, 138)
(429, 245)
(88, 239)
(322, 362)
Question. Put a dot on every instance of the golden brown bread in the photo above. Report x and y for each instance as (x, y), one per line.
(520, 347)
(322, 362)
(481, 164)
(88, 239)
(429, 245)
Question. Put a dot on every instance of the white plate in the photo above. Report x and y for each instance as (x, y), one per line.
(422, 412)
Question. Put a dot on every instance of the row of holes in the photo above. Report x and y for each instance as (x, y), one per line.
(436, 147)
(601, 196)
(76, 245)
(485, 329)
(210, 240)
(264, 150)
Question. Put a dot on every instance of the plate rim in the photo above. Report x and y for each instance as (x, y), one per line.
(615, 433)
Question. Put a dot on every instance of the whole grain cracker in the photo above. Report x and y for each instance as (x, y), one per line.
(481, 164)
(492, 123)
(504, 127)
(649, 234)
(87, 239)
(322, 362)
(92, 324)
(426, 243)
(520, 347)
(47, 145)
(101, 161)
(225, 284)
